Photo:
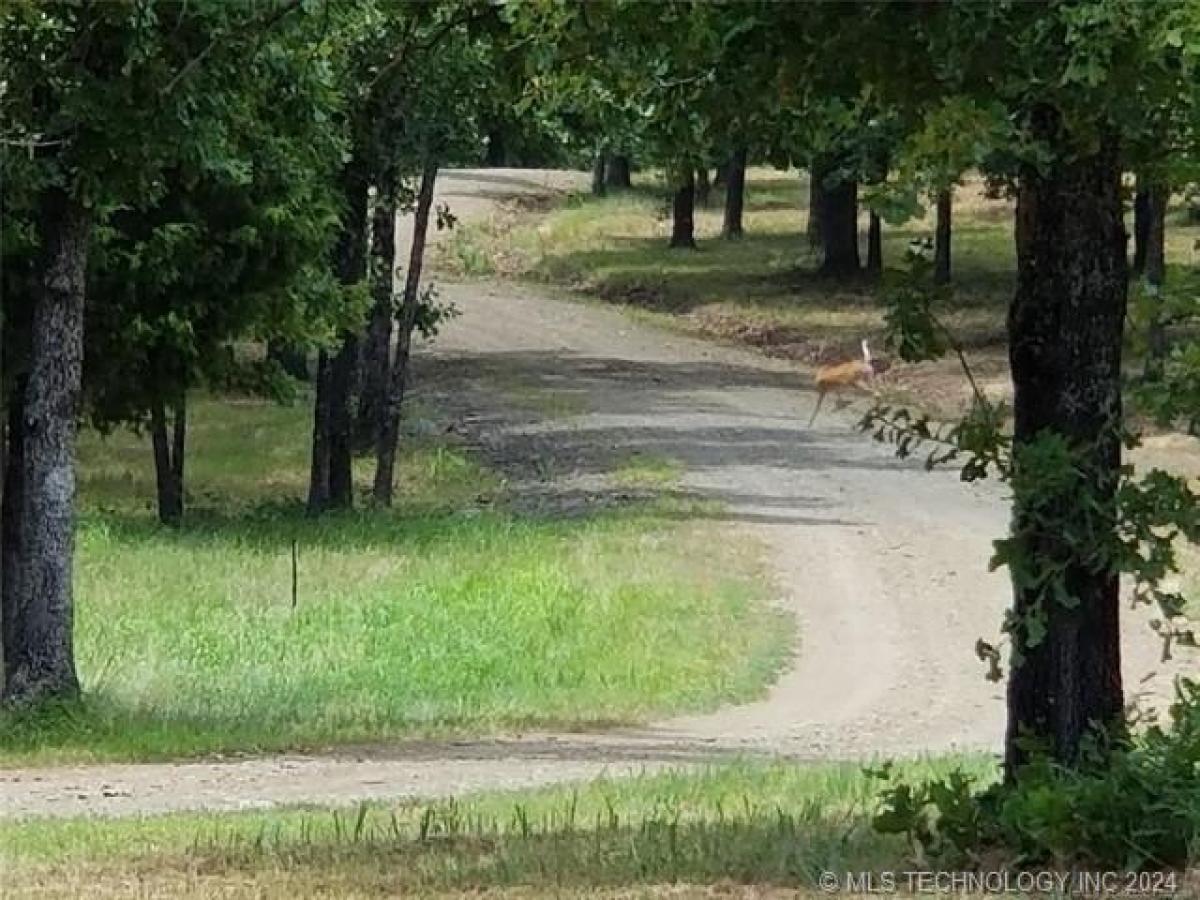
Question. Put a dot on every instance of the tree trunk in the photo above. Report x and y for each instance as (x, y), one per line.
(875, 246)
(1065, 325)
(735, 194)
(389, 433)
(1141, 226)
(318, 478)
(816, 201)
(618, 173)
(721, 176)
(39, 661)
(342, 383)
(377, 343)
(703, 186)
(599, 185)
(942, 237)
(1155, 271)
(683, 213)
(839, 229)
(10, 517)
(292, 359)
(168, 459)
(333, 421)
(496, 155)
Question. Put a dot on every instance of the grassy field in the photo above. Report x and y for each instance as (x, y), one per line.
(445, 615)
(760, 290)
(739, 827)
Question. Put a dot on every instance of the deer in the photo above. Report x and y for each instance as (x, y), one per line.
(838, 377)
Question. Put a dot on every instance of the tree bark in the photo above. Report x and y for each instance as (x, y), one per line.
(1155, 270)
(618, 173)
(389, 433)
(169, 450)
(942, 237)
(11, 591)
(496, 154)
(875, 246)
(377, 342)
(599, 185)
(333, 421)
(735, 194)
(816, 194)
(342, 382)
(839, 229)
(1141, 226)
(1065, 325)
(703, 186)
(39, 661)
(683, 213)
(318, 478)
(721, 176)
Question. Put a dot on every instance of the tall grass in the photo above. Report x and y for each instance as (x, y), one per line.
(769, 825)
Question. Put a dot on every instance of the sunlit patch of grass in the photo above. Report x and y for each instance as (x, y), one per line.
(770, 825)
(445, 614)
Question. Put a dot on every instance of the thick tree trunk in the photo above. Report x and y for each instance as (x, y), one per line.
(703, 186)
(290, 358)
(942, 237)
(1155, 272)
(839, 229)
(816, 194)
(683, 213)
(1065, 325)
(618, 173)
(735, 194)
(389, 434)
(169, 450)
(875, 246)
(377, 343)
(599, 185)
(333, 420)
(39, 661)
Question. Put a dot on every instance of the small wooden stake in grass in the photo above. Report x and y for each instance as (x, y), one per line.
(295, 574)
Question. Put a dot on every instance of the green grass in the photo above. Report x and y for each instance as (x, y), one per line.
(646, 471)
(778, 824)
(445, 615)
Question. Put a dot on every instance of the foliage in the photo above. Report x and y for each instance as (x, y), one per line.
(1132, 808)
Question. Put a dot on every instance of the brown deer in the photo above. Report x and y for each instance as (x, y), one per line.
(838, 377)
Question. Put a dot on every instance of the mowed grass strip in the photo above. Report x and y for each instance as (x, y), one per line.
(444, 616)
(753, 825)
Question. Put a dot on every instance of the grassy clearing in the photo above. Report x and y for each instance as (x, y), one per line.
(446, 615)
(762, 825)
(760, 290)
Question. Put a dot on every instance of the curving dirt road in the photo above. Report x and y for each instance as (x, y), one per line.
(883, 564)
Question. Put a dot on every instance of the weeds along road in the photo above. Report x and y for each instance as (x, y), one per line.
(883, 565)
